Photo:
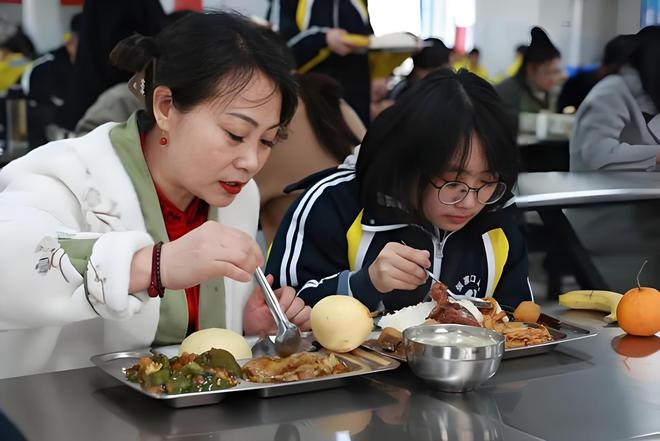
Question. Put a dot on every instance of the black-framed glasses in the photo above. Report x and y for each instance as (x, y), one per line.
(453, 192)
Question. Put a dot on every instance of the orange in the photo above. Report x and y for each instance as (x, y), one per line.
(638, 312)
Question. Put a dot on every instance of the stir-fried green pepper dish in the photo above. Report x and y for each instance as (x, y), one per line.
(212, 370)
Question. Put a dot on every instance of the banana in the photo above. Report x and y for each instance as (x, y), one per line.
(599, 300)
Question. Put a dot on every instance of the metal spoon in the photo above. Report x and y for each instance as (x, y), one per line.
(477, 302)
(287, 339)
(264, 347)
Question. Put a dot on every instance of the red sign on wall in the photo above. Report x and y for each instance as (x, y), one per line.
(193, 5)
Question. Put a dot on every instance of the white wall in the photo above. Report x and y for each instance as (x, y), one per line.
(556, 17)
(42, 23)
(580, 34)
(628, 14)
(599, 25)
(501, 26)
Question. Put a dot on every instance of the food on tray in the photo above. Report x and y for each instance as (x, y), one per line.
(639, 311)
(212, 370)
(449, 311)
(527, 311)
(390, 339)
(599, 300)
(407, 317)
(518, 334)
(340, 323)
(301, 366)
(206, 339)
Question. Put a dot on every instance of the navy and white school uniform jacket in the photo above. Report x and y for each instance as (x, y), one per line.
(328, 240)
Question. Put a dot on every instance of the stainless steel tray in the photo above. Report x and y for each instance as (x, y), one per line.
(360, 362)
(561, 332)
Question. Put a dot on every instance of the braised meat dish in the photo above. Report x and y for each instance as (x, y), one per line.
(447, 312)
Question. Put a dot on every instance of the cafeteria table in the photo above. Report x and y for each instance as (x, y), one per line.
(605, 387)
(549, 193)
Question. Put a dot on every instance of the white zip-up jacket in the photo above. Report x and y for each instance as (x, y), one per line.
(72, 214)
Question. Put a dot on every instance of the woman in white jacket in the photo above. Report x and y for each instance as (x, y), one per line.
(142, 232)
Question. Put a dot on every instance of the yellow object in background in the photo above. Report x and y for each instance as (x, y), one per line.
(356, 39)
(515, 66)
(465, 64)
(381, 64)
(12, 67)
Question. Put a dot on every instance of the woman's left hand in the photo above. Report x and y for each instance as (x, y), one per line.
(257, 318)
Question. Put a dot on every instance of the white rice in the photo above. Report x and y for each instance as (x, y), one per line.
(416, 314)
(407, 317)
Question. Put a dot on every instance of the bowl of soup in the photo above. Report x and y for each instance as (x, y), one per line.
(453, 358)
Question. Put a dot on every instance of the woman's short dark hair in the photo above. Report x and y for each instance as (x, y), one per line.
(206, 55)
(420, 136)
(540, 50)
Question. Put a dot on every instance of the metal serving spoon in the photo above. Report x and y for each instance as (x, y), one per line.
(264, 347)
(287, 339)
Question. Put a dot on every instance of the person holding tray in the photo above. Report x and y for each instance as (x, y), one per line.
(430, 191)
(149, 224)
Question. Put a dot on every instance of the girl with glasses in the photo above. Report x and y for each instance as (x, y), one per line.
(430, 191)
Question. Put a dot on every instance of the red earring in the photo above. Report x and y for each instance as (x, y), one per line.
(163, 140)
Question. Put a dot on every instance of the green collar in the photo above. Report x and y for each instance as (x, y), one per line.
(173, 320)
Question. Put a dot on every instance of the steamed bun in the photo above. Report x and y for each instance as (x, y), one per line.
(341, 323)
(219, 338)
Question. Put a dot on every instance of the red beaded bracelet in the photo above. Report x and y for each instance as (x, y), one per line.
(156, 288)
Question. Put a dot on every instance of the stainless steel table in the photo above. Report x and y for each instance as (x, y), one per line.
(583, 391)
(552, 190)
(549, 193)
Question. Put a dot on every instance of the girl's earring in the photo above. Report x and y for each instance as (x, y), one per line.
(163, 139)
